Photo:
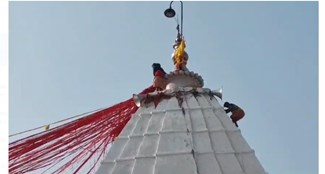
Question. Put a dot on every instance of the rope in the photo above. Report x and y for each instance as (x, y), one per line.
(72, 145)
(76, 116)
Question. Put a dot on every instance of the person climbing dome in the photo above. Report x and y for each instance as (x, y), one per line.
(160, 80)
(237, 112)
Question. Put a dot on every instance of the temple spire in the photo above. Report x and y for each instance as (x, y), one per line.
(179, 55)
(181, 128)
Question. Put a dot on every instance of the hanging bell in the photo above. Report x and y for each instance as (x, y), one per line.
(170, 12)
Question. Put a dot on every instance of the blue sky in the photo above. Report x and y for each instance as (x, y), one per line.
(67, 58)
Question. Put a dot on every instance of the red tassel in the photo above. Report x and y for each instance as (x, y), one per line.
(72, 145)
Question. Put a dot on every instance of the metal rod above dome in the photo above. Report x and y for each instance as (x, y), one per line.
(170, 12)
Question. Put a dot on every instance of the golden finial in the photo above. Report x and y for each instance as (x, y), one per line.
(180, 56)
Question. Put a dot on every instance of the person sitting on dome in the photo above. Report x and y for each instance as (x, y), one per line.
(160, 80)
(237, 112)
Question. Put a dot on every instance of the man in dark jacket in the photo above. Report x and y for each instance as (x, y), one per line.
(160, 80)
(237, 113)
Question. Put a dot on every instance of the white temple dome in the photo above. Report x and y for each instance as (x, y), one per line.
(187, 133)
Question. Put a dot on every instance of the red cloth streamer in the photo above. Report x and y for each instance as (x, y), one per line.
(69, 148)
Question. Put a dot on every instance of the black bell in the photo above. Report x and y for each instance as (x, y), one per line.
(170, 13)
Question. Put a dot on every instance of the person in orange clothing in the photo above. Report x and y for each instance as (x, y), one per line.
(237, 113)
(160, 80)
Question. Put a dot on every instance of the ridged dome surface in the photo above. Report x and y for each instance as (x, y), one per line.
(187, 133)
